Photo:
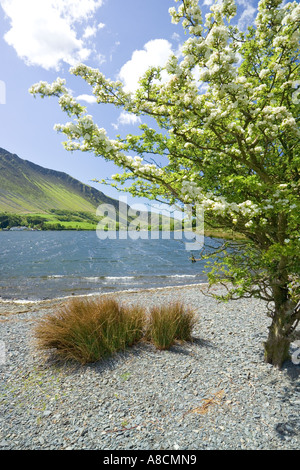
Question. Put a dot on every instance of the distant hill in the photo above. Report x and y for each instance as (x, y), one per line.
(54, 198)
(58, 201)
(29, 188)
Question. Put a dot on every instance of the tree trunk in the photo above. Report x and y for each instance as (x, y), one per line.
(277, 346)
(278, 343)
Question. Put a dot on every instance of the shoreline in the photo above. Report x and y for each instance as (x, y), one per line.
(97, 294)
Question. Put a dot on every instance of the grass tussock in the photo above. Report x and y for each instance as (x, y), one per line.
(88, 330)
(169, 323)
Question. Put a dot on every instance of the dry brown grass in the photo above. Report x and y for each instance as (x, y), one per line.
(89, 330)
(169, 323)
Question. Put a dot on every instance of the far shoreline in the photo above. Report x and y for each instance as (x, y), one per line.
(9, 307)
(208, 233)
(99, 294)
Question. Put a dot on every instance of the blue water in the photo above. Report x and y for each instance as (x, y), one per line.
(43, 265)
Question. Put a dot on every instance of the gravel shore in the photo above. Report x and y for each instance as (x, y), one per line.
(214, 393)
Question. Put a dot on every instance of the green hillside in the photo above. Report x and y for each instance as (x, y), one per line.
(36, 197)
(29, 188)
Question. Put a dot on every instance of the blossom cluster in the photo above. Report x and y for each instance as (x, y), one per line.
(192, 193)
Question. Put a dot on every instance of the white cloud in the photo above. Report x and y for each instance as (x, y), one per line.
(88, 98)
(126, 119)
(100, 58)
(92, 30)
(155, 53)
(43, 32)
(248, 15)
(176, 37)
(114, 49)
(89, 31)
(246, 11)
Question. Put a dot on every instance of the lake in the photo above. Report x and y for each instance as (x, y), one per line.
(37, 265)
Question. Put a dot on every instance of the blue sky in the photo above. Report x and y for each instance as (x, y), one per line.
(41, 39)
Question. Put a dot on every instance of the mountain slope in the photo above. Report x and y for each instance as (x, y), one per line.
(29, 188)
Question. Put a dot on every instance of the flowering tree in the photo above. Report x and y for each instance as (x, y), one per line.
(226, 137)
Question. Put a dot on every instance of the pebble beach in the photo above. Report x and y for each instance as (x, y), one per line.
(215, 393)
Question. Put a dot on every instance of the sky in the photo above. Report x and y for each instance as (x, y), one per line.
(42, 39)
